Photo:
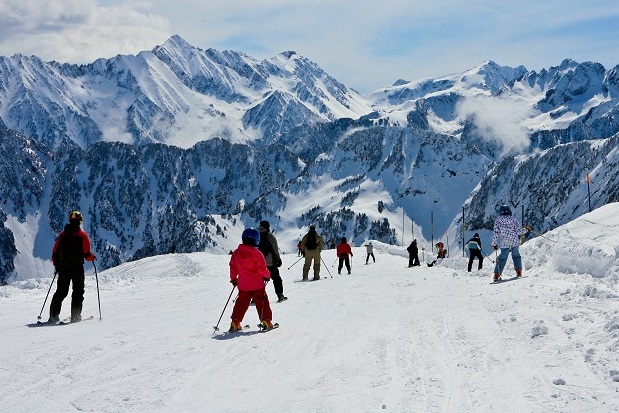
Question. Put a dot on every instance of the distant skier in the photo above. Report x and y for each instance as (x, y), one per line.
(269, 248)
(312, 246)
(248, 272)
(343, 251)
(369, 248)
(506, 235)
(300, 252)
(474, 246)
(70, 249)
(413, 254)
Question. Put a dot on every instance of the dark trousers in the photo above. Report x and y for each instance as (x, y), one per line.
(277, 280)
(472, 255)
(370, 254)
(343, 260)
(65, 278)
(413, 260)
(259, 297)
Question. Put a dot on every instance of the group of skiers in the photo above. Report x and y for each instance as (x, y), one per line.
(256, 261)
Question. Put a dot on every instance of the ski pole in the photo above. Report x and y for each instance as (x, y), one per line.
(486, 256)
(540, 235)
(98, 296)
(327, 268)
(222, 311)
(333, 265)
(50, 288)
(295, 262)
(264, 298)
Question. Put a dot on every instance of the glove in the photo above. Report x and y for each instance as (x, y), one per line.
(234, 282)
(91, 257)
(278, 262)
(266, 280)
(494, 247)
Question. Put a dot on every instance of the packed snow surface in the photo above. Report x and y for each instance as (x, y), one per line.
(385, 338)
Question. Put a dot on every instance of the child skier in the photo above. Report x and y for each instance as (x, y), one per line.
(248, 272)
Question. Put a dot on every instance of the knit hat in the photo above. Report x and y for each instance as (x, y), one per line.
(265, 224)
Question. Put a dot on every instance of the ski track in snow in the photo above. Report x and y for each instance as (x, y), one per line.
(385, 338)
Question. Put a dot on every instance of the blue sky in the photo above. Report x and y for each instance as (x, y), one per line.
(363, 44)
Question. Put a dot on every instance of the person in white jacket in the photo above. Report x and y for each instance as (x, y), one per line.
(369, 248)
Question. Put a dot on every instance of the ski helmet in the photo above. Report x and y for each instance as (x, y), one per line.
(504, 210)
(75, 216)
(251, 234)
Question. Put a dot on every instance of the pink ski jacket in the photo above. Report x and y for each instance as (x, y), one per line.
(248, 267)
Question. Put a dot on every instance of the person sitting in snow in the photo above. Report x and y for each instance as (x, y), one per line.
(441, 253)
(248, 272)
(506, 235)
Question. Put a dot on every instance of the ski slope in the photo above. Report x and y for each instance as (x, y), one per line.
(385, 338)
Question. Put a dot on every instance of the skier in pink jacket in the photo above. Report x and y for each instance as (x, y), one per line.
(248, 272)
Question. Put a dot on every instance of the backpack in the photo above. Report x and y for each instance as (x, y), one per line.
(473, 245)
(264, 245)
(310, 241)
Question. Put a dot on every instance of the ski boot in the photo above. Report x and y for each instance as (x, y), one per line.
(235, 327)
(266, 325)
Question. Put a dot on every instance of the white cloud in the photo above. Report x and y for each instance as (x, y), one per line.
(364, 44)
(499, 119)
(77, 31)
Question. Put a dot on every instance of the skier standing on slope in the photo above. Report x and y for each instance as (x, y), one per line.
(70, 249)
(312, 245)
(474, 246)
(343, 250)
(413, 254)
(506, 235)
(369, 248)
(269, 248)
(248, 272)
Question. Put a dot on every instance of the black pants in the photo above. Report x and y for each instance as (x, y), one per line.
(413, 260)
(370, 254)
(343, 260)
(277, 280)
(472, 255)
(65, 278)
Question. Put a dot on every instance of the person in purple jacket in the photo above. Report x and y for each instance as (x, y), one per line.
(506, 235)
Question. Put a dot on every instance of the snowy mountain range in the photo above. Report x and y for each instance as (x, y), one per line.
(178, 148)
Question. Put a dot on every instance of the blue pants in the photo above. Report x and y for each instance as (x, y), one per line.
(502, 260)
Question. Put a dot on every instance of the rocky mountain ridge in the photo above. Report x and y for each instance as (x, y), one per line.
(176, 149)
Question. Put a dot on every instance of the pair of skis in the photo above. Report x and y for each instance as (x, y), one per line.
(64, 322)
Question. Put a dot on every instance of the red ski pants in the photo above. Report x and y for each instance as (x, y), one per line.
(261, 300)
